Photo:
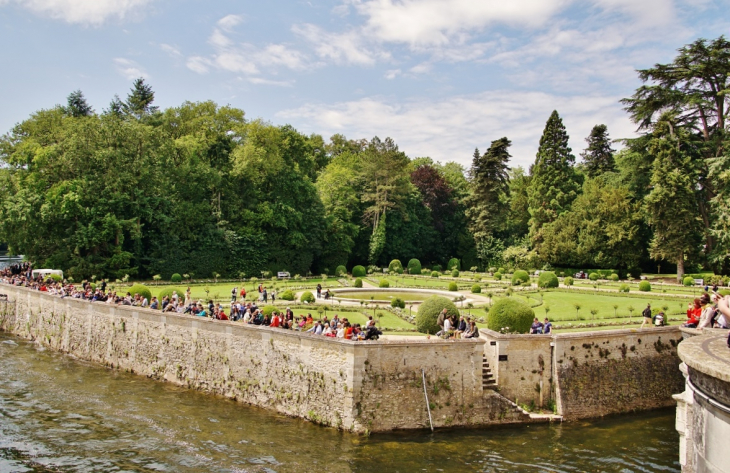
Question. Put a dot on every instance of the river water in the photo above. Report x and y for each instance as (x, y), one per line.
(58, 414)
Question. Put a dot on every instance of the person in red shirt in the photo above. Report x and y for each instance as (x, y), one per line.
(694, 311)
(275, 321)
(222, 315)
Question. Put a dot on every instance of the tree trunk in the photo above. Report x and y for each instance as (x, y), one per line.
(680, 268)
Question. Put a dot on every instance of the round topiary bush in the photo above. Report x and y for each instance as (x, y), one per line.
(520, 277)
(613, 277)
(547, 279)
(498, 276)
(425, 271)
(645, 286)
(688, 281)
(357, 283)
(359, 271)
(395, 265)
(288, 295)
(434, 274)
(453, 286)
(455, 273)
(428, 313)
(454, 263)
(500, 270)
(624, 288)
(414, 266)
(168, 292)
(436, 267)
(176, 278)
(509, 315)
(593, 276)
(568, 281)
(268, 310)
(398, 302)
(476, 289)
(307, 297)
(341, 270)
(140, 289)
(384, 283)
(55, 277)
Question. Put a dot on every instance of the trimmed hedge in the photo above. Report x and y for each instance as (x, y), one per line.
(476, 289)
(688, 281)
(436, 267)
(358, 282)
(454, 263)
(395, 265)
(288, 295)
(500, 270)
(455, 273)
(568, 281)
(428, 313)
(398, 302)
(425, 271)
(593, 276)
(498, 276)
(453, 286)
(414, 266)
(268, 310)
(168, 292)
(341, 271)
(645, 286)
(520, 277)
(624, 288)
(359, 271)
(384, 283)
(548, 279)
(55, 277)
(176, 278)
(510, 316)
(435, 274)
(307, 296)
(142, 290)
(613, 277)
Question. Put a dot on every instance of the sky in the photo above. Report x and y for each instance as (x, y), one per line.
(439, 77)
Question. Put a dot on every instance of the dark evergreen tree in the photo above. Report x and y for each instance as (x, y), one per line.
(554, 183)
(77, 106)
(598, 156)
(116, 107)
(139, 101)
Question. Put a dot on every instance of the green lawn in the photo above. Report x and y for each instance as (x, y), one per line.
(385, 296)
(387, 321)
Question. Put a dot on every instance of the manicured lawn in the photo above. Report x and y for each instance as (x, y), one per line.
(385, 296)
(387, 321)
(426, 283)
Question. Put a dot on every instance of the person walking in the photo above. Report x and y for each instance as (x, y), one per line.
(647, 316)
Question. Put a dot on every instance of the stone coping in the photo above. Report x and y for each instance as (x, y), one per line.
(707, 353)
(229, 326)
(490, 334)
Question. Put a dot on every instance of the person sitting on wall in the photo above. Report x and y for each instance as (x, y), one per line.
(547, 327)
(536, 327)
(723, 308)
(708, 312)
(694, 312)
(446, 331)
(461, 327)
(659, 319)
(472, 331)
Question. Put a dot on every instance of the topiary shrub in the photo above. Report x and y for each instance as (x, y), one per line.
(395, 265)
(55, 277)
(500, 270)
(635, 273)
(624, 288)
(425, 271)
(509, 315)
(359, 271)
(593, 276)
(568, 281)
(455, 273)
(547, 279)
(307, 297)
(688, 281)
(476, 289)
(436, 267)
(142, 290)
(384, 283)
(613, 277)
(341, 271)
(398, 302)
(268, 310)
(434, 274)
(358, 282)
(520, 277)
(428, 313)
(645, 286)
(288, 295)
(453, 286)
(454, 263)
(414, 266)
(498, 276)
(168, 292)
(176, 278)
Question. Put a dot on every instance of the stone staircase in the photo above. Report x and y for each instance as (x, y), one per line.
(488, 381)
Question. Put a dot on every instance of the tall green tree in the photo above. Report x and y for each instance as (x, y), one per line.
(139, 100)
(77, 106)
(598, 155)
(554, 183)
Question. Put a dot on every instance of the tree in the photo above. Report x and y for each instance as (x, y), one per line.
(487, 202)
(436, 194)
(671, 207)
(554, 184)
(598, 156)
(77, 106)
(139, 100)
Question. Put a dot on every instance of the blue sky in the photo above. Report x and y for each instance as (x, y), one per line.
(440, 77)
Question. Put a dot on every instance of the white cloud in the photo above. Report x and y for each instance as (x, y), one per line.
(279, 83)
(129, 69)
(644, 11)
(90, 12)
(227, 23)
(340, 48)
(198, 64)
(450, 128)
(171, 50)
(392, 74)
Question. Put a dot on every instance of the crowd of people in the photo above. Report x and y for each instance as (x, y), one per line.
(184, 304)
(709, 312)
(465, 327)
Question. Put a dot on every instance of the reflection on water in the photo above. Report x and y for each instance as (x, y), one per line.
(58, 414)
